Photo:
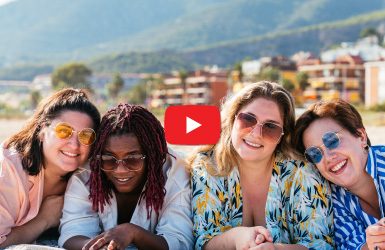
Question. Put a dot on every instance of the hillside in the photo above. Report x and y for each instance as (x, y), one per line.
(314, 39)
(44, 30)
(139, 62)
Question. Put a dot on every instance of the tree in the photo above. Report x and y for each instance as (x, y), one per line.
(115, 86)
(371, 31)
(183, 74)
(288, 85)
(269, 73)
(138, 93)
(71, 75)
(302, 79)
(238, 69)
(35, 98)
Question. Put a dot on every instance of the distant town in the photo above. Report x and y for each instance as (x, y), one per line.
(354, 71)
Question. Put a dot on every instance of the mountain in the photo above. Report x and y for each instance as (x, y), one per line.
(44, 30)
(315, 39)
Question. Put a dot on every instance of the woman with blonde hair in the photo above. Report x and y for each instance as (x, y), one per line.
(36, 163)
(246, 192)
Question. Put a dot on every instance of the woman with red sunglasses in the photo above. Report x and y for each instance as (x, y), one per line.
(36, 163)
(136, 192)
(331, 135)
(246, 192)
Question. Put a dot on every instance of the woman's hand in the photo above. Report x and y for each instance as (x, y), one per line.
(118, 237)
(249, 237)
(51, 210)
(375, 235)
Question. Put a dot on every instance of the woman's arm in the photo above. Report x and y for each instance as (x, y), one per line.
(48, 217)
(349, 230)
(15, 206)
(79, 221)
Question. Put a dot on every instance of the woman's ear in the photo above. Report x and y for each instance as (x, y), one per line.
(363, 136)
(42, 131)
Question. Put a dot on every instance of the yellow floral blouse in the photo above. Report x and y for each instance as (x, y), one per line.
(298, 207)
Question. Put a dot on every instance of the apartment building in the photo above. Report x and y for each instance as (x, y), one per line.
(374, 83)
(343, 78)
(202, 88)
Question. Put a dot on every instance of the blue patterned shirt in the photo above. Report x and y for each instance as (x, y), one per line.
(350, 221)
(298, 207)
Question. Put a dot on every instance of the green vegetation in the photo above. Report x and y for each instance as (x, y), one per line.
(115, 86)
(71, 75)
(138, 93)
(314, 38)
(140, 62)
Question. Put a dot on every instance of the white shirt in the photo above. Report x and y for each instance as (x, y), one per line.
(174, 221)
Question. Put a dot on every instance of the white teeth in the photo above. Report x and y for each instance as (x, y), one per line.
(338, 166)
(253, 144)
(123, 180)
(69, 154)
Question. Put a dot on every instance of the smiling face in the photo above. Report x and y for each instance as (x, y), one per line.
(65, 155)
(120, 146)
(345, 164)
(251, 147)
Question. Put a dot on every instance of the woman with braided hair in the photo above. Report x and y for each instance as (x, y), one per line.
(136, 191)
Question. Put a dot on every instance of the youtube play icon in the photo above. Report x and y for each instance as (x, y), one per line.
(192, 124)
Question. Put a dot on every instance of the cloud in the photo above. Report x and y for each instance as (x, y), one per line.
(2, 2)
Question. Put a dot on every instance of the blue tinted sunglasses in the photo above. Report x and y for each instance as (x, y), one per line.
(331, 140)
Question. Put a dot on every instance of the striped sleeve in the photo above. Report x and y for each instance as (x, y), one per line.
(349, 231)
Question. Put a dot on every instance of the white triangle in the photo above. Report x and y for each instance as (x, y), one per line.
(191, 125)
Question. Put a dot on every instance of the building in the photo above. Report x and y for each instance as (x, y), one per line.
(374, 83)
(343, 78)
(202, 88)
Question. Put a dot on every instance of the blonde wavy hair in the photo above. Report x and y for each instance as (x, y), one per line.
(226, 158)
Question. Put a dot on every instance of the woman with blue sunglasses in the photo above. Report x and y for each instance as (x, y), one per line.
(331, 135)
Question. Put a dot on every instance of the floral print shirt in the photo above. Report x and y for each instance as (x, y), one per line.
(298, 207)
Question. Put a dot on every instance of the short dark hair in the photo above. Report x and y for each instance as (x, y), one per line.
(27, 140)
(339, 110)
(122, 119)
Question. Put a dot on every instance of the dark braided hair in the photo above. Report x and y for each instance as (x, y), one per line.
(122, 119)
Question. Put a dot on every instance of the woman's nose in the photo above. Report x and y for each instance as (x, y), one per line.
(329, 154)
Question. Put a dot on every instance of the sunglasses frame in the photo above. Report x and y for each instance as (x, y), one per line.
(78, 132)
(323, 144)
(142, 157)
(257, 123)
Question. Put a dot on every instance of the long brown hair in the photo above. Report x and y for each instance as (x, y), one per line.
(27, 140)
(123, 119)
(339, 110)
(225, 154)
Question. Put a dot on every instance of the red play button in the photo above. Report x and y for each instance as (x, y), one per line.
(192, 125)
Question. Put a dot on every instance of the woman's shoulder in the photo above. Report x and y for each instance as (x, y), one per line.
(10, 160)
(299, 169)
(379, 149)
(175, 169)
(202, 161)
(8, 153)
(80, 176)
